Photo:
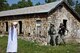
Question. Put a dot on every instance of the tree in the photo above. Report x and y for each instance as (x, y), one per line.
(38, 3)
(22, 4)
(77, 7)
(3, 5)
(30, 3)
(48, 1)
(70, 2)
(14, 6)
(6, 6)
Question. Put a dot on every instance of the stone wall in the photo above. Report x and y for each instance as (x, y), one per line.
(29, 26)
(73, 25)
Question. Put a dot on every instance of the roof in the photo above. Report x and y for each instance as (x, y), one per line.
(31, 10)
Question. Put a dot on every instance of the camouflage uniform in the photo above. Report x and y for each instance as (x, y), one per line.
(52, 33)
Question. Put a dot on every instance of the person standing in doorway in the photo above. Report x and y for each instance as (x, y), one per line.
(12, 39)
(52, 33)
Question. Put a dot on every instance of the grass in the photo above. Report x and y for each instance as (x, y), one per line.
(30, 47)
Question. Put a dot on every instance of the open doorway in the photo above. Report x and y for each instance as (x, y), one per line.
(20, 27)
(6, 26)
(65, 23)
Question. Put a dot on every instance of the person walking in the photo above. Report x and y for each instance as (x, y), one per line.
(12, 39)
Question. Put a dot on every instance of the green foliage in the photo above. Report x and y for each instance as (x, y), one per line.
(77, 7)
(38, 3)
(48, 1)
(70, 2)
(30, 47)
(29, 3)
(4, 5)
(2, 1)
(14, 6)
(21, 4)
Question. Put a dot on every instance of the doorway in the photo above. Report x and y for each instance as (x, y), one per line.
(20, 27)
(65, 23)
(6, 26)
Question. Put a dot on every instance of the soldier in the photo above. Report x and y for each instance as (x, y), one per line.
(61, 32)
(52, 33)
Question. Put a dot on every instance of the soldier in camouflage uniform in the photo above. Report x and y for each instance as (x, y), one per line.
(61, 32)
(52, 33)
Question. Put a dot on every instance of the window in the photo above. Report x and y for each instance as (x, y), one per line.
(38, 27)
(38, 22)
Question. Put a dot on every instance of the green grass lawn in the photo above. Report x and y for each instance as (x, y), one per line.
(30, 47)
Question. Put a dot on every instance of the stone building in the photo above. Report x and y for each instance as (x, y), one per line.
(35, 20)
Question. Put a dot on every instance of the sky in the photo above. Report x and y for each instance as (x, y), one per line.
(16, 1)
(34, 1)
